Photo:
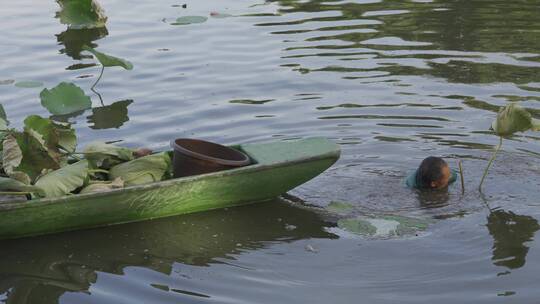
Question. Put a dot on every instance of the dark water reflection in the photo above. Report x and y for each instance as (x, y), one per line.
(511, 233)
(74, 39)
(111, 116)
(391, 81)
(44, 268)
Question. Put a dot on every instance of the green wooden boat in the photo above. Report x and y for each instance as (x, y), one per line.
(278, 167)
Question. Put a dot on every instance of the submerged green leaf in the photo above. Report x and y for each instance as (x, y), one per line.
(340, 207)
(80, 14)
(108, 60)
(9, 184)
(185, 20)
(383, 226)
(511, 119)
(103, 155)
(103, 187)
(65, 98)
(64, 180)
(358, 226)
(147, 169)
(28, 84)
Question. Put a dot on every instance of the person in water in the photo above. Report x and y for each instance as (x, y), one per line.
(433, 173)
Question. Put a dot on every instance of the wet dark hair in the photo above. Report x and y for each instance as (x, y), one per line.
(430, 170)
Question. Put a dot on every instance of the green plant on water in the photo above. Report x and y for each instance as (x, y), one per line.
(185, 20)
(107, 61)
(511, 119)
(65, 98)
(81, 14)
(41, 161)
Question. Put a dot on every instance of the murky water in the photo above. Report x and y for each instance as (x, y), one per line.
(391, 81)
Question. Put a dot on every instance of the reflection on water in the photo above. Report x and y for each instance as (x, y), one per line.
(511, 233)
(85, 20)
(392, 81)
(46, 267)
(435, 198)
(74, 39)
(111, 116)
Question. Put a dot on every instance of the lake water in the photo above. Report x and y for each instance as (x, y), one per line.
(390, 81)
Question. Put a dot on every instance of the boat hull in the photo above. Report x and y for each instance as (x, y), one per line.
(263, 181)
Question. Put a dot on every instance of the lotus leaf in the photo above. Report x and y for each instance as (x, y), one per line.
(12, 154)
(103, 155)
(340, 207)
(103, 187)
(513, 118)
(23, 152)
(147, 169)
(21, 177)
(109, 61)
(384, 226)
(80, 14)
(64, 180)
(185, 20)
(358, 226)
(9, 184)
(64, 99)
(54, 134)
(28, 84)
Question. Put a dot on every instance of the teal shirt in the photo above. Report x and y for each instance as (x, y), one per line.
(411, 179)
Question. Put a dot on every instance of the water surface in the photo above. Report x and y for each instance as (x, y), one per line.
(391, 81)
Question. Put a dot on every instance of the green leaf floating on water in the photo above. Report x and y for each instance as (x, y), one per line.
(64, 180)
(147, 169)
(513, 118)
(185, 20)
(109, 61)
(384, 226)
(28, 84)
(340, 207)
(9, 184)
(103, 155)
(80, 14)
(64, 99)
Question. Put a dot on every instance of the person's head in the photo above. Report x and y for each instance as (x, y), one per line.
(433, 173)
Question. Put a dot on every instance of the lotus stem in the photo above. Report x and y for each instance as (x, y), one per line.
(461, 177)
(69, 153)
(490, 162)
(99, 78)
(95, 83)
